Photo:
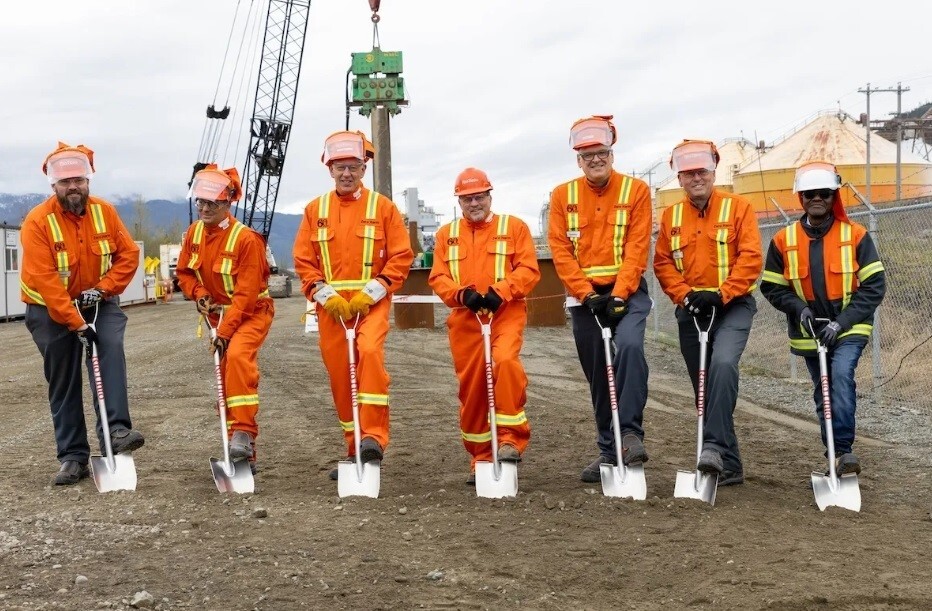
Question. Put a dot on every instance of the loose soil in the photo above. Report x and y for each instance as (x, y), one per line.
(428, 541)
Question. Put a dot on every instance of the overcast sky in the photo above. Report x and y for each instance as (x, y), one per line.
(493, 83)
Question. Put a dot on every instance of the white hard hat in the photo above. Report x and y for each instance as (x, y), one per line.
(816, 175)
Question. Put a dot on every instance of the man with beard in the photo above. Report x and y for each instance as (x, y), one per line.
(76, 249)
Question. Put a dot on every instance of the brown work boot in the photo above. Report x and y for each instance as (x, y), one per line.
(508, 453)
(71, 472)
(241, 445)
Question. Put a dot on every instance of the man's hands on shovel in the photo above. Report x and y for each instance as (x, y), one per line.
(88, 337)
(206, 306)
(484, 305)
(219, 346)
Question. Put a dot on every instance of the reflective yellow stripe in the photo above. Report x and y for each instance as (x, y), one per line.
(347, 426)
(477, 437)
(35, 296)
(242, 401)
(803, 344)
(792, 255)
(869, 270)
(621, 221)
(847, 264)
(601, 270)
(860, 328)
(676, 235)
(454, 252)
(501, 248)
(348, 285)
(226, 263)
(507, 420)
(61, 258)
(100, 226)
(323, 211)
(775, 278)
(721, 237)
(197, 238)
(368, 243)
(371, 398)
(572, 218)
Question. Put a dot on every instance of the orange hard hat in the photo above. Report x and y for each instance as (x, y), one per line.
(592, 131)
(216, 185)
(347, 145)
(68, 161)
(694, 155)
(471, 180)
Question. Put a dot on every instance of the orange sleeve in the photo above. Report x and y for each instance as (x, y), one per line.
(637, 243)
(561, 248)
(125, 259)
(40, 272)
(304, 255)
(749, 259)
(399, 255)
(440, 279)
(525, 272)
(187, 279)
(251, 274)
(671, 279)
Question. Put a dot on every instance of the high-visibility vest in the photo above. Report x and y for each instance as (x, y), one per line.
(620, 223)
(501, 249)
(843, 275)
(368, 244)
(62, 260)
(226, 264)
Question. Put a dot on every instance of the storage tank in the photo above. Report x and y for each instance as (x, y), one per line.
(836, 137)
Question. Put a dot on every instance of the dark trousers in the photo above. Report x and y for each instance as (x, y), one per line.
(628, 362)
(62, 354)
(727, 339)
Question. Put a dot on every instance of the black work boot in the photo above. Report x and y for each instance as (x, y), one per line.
(593, 472)
(847, 463)
(369, 450)
(241, 445)
(632, 450)
(125, 440)
(71, 472)
(710, 461)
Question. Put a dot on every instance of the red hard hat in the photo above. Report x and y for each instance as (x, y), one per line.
(472, 180)
(217, 185)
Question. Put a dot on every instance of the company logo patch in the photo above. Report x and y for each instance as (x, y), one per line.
(572, 208)
(453, 241)
(59, 247)
(675, 231)
(323, 222)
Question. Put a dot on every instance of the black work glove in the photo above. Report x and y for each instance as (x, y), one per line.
(703, 303)
(205, 305)
(472, 299)
(219, 345)
(89, 298)
(87, 337)
(616, 309)
(828, 336)
(807, 320)
(596, 303)
(492, 302)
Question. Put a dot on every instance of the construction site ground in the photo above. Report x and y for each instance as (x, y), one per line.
(428, 541)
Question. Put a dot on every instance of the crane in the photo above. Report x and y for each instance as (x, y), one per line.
(279, 69)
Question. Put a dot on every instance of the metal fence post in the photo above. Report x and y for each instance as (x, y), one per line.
(876, 360)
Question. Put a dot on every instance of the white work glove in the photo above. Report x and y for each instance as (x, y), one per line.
(375, 290)
(323, 293)
(90, 298)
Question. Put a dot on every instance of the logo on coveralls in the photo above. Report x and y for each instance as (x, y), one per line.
(572, 208)
(323, 222)
(453, 241)
(674, 231)
(59, 247)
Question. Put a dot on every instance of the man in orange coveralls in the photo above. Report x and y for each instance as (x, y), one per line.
(75, 247)
(708, 258)
(222, 266)
(599, 234)
(351, 253)
(485, 263)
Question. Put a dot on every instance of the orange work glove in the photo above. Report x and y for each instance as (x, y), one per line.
(360, 303)
(338, 307)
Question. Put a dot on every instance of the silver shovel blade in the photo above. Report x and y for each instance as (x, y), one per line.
(233, 477)
(487, 486)
(350, 484)
(843, 492)
(624, 482)
(696, 485)
(121, 477)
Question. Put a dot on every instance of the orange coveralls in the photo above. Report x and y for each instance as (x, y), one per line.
(228, 264)
(345, 241)
(497, 254)
(69, 254)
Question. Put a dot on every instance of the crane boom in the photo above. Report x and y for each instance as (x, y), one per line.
(276, 93)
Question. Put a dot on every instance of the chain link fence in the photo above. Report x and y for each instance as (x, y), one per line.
(896, 368)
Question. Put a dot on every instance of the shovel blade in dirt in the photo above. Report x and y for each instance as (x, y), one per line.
(623, 482)
(122, 476)
(490, 487)
(356, 480)
(233, 476)
(696, 485)
(843, 492)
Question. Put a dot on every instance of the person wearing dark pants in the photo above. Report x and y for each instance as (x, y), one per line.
(707, 260)
(628, 362)
(78, 258)
(727, 339)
